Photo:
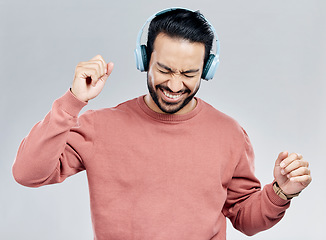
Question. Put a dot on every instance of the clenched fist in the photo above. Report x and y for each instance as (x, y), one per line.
(292, 172)
(90, 78)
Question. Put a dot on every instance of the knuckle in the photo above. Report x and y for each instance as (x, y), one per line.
(79, 65)
(78, 69)
(298, 164)
(95, 57)
(294, 155)
(99, 56)
(303, 171)
(304, 164)
(307, 178)
(97, 66)
(101, 62)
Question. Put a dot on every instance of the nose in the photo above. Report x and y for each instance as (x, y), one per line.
(175, 83)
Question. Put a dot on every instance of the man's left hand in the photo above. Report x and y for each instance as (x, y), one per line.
(292, 172)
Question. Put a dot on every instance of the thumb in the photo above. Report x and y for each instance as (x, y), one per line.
(109, 68)
(281, 157)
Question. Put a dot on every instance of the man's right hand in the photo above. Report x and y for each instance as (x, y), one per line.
(90, 78)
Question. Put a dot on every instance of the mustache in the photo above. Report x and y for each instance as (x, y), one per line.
(167, 89)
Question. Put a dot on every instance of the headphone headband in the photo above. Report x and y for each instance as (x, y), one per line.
(141, 55)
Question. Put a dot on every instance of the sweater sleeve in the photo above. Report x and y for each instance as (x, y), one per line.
(250, 208)
(56, 146)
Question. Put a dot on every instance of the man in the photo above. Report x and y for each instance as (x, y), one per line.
(165, 165)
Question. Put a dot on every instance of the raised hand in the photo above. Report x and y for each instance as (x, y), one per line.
(291, 172)
(90, 78)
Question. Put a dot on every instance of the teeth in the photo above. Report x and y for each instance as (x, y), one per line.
(170, 95)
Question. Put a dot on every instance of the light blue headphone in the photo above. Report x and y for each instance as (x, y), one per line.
(141, 54)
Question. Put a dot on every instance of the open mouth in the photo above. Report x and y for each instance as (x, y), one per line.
(170, 97)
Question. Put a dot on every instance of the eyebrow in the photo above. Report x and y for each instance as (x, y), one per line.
(170, 70)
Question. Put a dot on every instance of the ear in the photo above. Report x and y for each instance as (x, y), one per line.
(141, 58)
(210, 67)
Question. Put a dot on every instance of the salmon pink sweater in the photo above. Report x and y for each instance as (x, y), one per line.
(152, 176)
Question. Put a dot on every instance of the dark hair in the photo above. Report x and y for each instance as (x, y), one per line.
(184, 24)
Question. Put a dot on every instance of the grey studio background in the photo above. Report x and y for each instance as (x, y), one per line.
(271, 80)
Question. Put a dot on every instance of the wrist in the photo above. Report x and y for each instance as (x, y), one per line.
(70, 104)
(83, 100)
(281, 194)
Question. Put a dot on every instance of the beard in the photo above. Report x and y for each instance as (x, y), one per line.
(169, 107)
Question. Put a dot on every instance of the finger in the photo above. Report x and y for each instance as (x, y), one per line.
(101, 75)
(89, 73)
(96, 64)
(84, 71)
(280, 157)
(101, 82)
(109, 68)
(100, 59)
(97, 57)
(294, 165)
(299, 172)
(103, 78)
(101, 67)
(290, 159)
(305, 180)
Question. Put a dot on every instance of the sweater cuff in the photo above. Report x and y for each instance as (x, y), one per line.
(273, 197)
(70, 104)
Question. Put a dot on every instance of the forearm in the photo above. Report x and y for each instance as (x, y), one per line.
(40, 154)
(259, 212)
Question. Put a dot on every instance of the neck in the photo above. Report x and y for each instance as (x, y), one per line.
(186, 109)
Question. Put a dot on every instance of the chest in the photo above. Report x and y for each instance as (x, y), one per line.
(171, 156)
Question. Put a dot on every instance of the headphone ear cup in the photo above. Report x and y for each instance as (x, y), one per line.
(210, 67)
(141, 58)
(144, 56)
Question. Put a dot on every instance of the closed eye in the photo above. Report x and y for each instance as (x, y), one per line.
(189, 76)
(163, 71)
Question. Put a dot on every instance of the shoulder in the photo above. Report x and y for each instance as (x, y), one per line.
(226, 132)
(120, 109)
(222, 124)
(217, 117)
(124, 111)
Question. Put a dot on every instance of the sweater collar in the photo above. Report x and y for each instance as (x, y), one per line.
(169, 117)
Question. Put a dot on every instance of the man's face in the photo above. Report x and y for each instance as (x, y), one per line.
(174, 74)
